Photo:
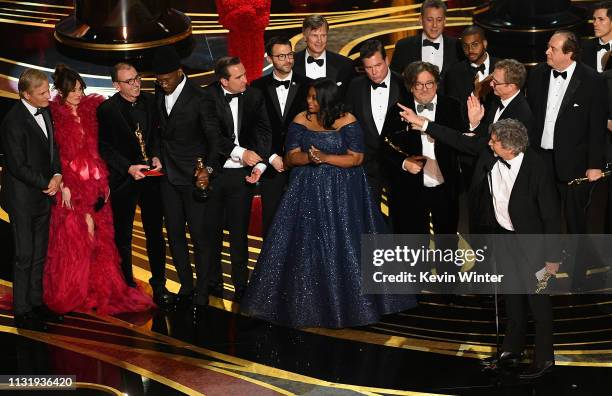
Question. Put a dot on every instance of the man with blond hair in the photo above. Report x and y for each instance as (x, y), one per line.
(31, 178)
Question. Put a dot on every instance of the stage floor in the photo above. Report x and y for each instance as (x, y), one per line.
(433, 349)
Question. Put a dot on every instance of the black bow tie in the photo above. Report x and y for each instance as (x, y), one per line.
(421, 107)
(558, 73)
(477, 69)
(230, 96)
(605, 46)
(40, 111)
(319, 62)
(379, 85)
(429, 43)
(284, 83)
(502, 161)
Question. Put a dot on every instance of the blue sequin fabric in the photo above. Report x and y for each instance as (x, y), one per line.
(309, 271)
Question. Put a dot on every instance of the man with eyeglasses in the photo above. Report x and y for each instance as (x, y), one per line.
(285, 95)
(316, 60)
(119, 117)
(188, 130)
(432, 45)
(424, 176)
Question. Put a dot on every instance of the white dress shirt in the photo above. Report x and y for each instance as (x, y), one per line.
(556, 91)
(313, 70)
(281, 93)
(432, 176)
(38, 118)
(235, 159)
(501, 184)
(379, 101)
(171, 99)
(600, 53)
(432, 55)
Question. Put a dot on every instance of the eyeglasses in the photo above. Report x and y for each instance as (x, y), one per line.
(495, 83)
(421, 86)
(282, 57)
(131, 81)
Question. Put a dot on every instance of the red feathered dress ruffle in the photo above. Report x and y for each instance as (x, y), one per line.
(82, 273)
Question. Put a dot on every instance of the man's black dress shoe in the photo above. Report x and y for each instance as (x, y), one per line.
(506, 359)
(29, 321)
(46, 315)
(163, 298)
(538, 370)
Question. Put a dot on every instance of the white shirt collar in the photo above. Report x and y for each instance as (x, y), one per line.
(437, 40)
(28, 106)
(487, 63)
(386, 80)
(602, 43)
(570, 70)
(434, 101)
(288, 78)
(320, 57)
(179, 88)
(505, 102)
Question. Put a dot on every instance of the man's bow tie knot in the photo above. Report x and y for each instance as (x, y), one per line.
(477, 69)
(40, 110)
(605, 46)
(378, 85)
(502, 161)
(319, 62)
(278, 83)
(421, 107)
(558, 73)
(230, 96)
(429, 43)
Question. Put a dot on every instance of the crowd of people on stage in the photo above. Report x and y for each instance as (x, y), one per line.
(324, 141)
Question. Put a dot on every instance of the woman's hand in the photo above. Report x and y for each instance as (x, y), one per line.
(316, 156)
(66, 198)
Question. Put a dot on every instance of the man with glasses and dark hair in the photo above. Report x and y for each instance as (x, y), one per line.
(424, 174)
(119, 118)
(285, 96)
(188, 131)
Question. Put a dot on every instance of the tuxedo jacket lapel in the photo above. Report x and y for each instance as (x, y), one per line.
(241, 100)
(293, 88)
(272, 92)
(573, 85)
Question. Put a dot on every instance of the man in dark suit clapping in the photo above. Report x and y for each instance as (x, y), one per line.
(285, 95)
(119, 118)
(31, 178)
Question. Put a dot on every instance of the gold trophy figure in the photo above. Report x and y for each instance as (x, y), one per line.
(200, 192)
(141, 142)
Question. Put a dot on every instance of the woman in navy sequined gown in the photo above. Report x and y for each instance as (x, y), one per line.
(309, 270)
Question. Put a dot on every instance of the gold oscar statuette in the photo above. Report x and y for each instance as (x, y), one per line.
(141, 142)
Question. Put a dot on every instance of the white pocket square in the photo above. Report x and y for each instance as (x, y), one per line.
(576, 105)
(339, 83)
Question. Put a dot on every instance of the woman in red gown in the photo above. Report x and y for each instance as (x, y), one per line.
(82, 270)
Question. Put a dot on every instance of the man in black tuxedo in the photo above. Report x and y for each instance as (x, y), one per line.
(245, 142)
(512, 192)
(569, 103)
(285, 95)
(31, 178)
(465, 77)
(188, 131)
(316, 61)
(594, 49)
(431, 46)
(424, 176)
(119, 118)
(372, 98)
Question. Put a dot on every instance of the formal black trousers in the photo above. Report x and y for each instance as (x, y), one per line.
(229, 203)
(145, 193)
(31, 236)
(180, 209)
(272, 187)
